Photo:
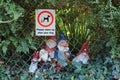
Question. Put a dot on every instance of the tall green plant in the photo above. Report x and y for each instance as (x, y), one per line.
(76, 29)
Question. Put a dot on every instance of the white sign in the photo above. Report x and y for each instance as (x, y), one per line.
(45, 22)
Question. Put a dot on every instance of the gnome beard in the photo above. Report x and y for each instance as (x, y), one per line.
(64, 49)
(43, 55)
(83, 57)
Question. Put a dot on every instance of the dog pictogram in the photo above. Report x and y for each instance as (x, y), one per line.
(46, 18)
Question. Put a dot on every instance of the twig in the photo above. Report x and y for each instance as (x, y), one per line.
(9, 21)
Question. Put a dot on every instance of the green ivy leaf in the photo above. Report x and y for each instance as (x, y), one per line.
(23, 76)
(4, 49)
(14, 41)
(33, 47)
(25, 49)
(19, 49)
(77, 71)
(81, 77)
(33, 78)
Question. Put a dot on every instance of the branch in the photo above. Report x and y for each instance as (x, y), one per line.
(9, 21)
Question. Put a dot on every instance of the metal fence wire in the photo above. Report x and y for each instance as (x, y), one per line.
(81, 21)
(16, 64)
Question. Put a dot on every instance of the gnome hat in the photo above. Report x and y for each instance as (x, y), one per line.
(62, 37)
(84, 48)
(35, 54)
(52, 38)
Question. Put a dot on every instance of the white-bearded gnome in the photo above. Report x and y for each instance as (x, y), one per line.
(83, 54)
(62, 54)
(34, 62)
(44, 54)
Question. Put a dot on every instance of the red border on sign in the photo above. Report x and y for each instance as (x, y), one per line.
(39, 22)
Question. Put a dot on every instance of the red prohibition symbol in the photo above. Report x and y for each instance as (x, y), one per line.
(49, 15)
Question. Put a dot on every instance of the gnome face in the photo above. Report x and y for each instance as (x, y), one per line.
(43, 55)
(63, 45)
(51, 43)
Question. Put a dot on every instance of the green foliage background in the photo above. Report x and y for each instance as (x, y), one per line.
(96, 20)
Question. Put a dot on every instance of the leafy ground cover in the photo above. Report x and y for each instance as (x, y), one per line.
(96, 20)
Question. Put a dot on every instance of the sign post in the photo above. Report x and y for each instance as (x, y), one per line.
(45, 22)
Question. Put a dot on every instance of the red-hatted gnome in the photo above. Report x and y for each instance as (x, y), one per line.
(34, 61)
(50, 46)
(62, 53)
(83, 54)
(44, 54)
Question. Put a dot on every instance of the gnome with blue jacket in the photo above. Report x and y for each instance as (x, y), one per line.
(62, 52)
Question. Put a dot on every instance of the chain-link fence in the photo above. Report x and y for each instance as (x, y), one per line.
(96, 21)
(15, 64)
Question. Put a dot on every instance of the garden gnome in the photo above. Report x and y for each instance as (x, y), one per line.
(83, 54)
(50, 46)
(34, 62)
(44, 53)
(47, 52)
(62, 53)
